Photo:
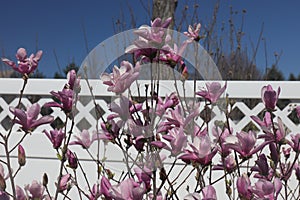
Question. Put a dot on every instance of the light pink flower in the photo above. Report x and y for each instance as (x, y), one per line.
(28, 120)
(266, 124)
(200, 151)
(25, 65)
(73, 81)
(121, 78)
(209, 193)
(295, 142)
(35, 190)
(177, 140)
(266, 189)
(244, 143)
(193, 32)
(269, 97)
(128, 189)
(84, 139)
(212, 92)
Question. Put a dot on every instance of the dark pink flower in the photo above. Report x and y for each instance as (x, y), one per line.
(84, 139)
(72, 159)
(295, 142)
(212, 92)
(121, 78)
(25, 65)
(262, 168)
(35, 190)
(65, 100)
(20, 195)
(244, 187)
(269, 97)
(193, 32)
(21, 155)
(56, 137)
(28, 120)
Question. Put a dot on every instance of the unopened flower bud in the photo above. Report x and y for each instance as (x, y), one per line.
(45, 180)
(21, 156)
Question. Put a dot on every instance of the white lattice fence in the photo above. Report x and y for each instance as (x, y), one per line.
(38, 145)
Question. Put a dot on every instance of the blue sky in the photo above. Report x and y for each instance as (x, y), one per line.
(53, 25)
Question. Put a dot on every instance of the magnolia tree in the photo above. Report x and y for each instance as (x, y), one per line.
(168, 152)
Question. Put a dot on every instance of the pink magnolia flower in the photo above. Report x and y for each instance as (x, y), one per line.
(64, 183)
(266, 124)
(105, 188)
(110, 130)
(73, 81)
(173, 56)
(279, 135)
(212, 92)
(25, 65)
(84, 139)
(295, 142)
(56, 137)
(127, 189)
(170, 101)
(229, 164)
(20, 195)
(21, 155)
(95, 192)
(177, 140)
(35, 190)
(269, 97)
(244, 187)
(201, 151)
(244, 143)
(144, 176)
(150, 39)
(262, 168)
(4, 196)
(209, 193)
(28, 120)
(66, 99)
(267, 190)
(72, 160)
(121, 78)
(220, 139)
(297, 171)
(193, 32)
